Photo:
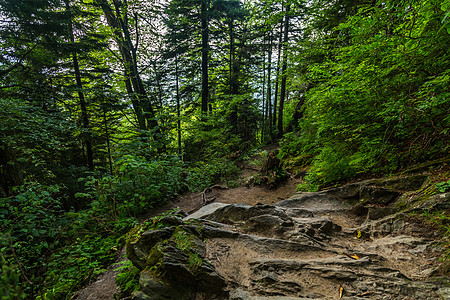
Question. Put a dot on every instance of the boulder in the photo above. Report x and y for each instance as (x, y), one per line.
(174, 264)
(241, 213)
(377, 195)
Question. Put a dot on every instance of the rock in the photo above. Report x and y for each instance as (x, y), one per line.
(294, 249)
(299, 213)
(348, 191)
(270, 285)
(171, 221)
(377, 195)
(156, 290)
(174, 263)
(334, 273)
(436, 202)
(241, 213)
(209, 231)
(315, 227)
(407, 183)
(269, 224)
(240, 294)
(267, 245)
(205, 211)
(375, 213)
(315, 202)
(138, 248)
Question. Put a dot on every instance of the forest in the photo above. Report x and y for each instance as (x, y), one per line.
(108, 108)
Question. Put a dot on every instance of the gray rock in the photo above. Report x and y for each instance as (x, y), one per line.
(138, 250)
(156, 290)
(299, 213)
(315, 202)
(206, 210)
(375, 213)
(437, 201)
(377, 195)
(240, 213)
(240, 294)
(406, 183)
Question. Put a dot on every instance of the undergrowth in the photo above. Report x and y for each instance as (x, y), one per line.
(48, 251)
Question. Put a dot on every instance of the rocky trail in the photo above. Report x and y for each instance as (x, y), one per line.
(352, 242)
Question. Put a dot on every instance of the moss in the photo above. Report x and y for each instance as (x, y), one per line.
(185, 241)
(155, 256)
(155, 261)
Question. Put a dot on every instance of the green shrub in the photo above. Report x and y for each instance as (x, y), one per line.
(203, 174)
(138, 186)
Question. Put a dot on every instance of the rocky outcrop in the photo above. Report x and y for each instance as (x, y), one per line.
(350, 240)
(173, 264)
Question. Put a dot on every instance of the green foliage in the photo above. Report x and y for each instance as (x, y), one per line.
(443, 187)
(10, 285)
(204, 174)
(380, 99)
(184, 241)
(128, 278)
(138, 185)
(54, 252)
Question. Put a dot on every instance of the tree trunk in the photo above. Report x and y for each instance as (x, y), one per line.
(84, 114)
(180, 151)
(280, 39)
(298, 114)
(234, 83)
(108, 146)
(269, 88)
(142, 106)
(283, 73)
(264, 105)
(205, 52)
(83, 106)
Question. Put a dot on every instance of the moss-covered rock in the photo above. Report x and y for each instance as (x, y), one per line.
(173, 264)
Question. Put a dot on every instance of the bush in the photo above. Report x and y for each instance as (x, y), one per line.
(138, 186)
(201, 174)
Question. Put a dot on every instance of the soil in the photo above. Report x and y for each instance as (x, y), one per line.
(104, 287)
(407, 250)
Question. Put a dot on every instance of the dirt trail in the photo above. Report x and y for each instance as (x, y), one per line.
(350, 242)
(104, 287)
(318, 246)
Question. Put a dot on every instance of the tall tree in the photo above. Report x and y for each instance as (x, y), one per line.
(83, 104)
(283, 70)
(205, 53)
(118, 19)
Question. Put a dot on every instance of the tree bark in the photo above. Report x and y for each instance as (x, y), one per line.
(205, 54)
(264, 104)
(283, 72)
(234, 82)
(108, 146)
(180, 151)
(83, 106)
(280, 39)
(142, 106)
(269, 87)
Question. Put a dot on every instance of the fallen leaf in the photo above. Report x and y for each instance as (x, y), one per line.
(358, 234)
(341, 291)
(354, 256)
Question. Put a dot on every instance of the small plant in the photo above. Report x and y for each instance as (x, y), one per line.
(259, 161)
(443, 187)
(185, 242)
(128, 278)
